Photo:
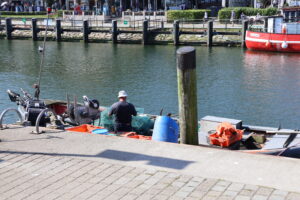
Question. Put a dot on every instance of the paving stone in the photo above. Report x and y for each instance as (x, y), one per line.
(213, 193)
(236, 186)
(33, 177)
(218, 188)
(293, 196)
(145, 197)
(168, 191)
(191, 198)
(246, 192)
(181, 194)
(251, 187)
(225, 198)
(259, 197)
(223, 183)
(242, 197)
(178, 184)
(276, 197)
(280, 192)
(173, 175)
(264, 191)
(230, 193)
(160, 197)
(197, 194)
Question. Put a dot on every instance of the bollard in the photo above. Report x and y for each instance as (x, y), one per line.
(209, 33)
(176, 32)
(145, 31)
(8, 28)
(114, 35)
(58, 30)
(162, 25)
(86, 31)
(34, 30)
(187, 95)
(245, 27)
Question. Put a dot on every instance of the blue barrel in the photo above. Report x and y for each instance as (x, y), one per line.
(165, 129)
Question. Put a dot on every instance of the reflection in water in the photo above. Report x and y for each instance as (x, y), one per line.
(259, 88)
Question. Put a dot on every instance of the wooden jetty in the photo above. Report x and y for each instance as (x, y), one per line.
(147, 29)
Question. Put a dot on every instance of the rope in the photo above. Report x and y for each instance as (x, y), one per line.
(43, 55)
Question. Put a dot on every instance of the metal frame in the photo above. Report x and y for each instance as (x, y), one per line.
(6, 111)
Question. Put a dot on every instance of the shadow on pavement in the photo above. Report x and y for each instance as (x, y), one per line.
(152, 160)
(121, 156)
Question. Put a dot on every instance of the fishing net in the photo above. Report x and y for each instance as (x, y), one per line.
(141, 124)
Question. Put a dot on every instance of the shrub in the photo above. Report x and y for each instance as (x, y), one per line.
(225, 13)
(59, 13)
(23, 13)
(186, 14)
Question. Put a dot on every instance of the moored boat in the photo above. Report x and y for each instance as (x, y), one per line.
(254, 139)
(275, 36)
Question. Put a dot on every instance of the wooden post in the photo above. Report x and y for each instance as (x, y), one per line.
(8, 28)
(145, 31)
(176, 32)
(210, 33)
(114, 35)
(34, 30)
(86, 31)
(58, 30)
(187, 95)
(245, 27)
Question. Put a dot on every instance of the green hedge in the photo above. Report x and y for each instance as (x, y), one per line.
(225, 13)
(23, 13)
(186, 14)
(60, 13)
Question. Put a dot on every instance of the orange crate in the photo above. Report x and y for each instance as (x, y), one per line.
(224, 140)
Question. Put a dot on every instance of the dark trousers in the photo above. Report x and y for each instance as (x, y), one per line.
(120, 127)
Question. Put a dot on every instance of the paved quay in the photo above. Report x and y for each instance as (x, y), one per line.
(65, 165)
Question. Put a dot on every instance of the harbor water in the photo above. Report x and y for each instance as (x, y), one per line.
(257, 87)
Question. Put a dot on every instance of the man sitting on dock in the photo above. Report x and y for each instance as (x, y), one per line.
(123, 112)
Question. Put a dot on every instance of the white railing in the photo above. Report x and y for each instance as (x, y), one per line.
(141, 15)
(83, 15)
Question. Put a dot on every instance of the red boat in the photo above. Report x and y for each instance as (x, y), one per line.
(279, 36)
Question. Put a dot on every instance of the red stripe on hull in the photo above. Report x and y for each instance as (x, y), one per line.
(272, 41)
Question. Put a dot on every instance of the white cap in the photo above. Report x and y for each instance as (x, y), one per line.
(122, 93)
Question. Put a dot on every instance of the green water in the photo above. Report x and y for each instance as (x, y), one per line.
(259, 88)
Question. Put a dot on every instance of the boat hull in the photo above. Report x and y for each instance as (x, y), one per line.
(273, 42)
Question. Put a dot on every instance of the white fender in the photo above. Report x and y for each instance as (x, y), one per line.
(284, 45)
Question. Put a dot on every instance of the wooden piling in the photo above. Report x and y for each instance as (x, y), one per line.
(176, 32)
(34, 30)
(114, 35)
(145, 32)
(210, 33)
(86, 31)
(245, 27)
(58, 30)
(8, 28)
(162, 25)
(187, 95)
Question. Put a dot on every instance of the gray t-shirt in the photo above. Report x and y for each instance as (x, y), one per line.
(123, 112)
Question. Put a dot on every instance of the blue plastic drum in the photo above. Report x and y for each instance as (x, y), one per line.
(165, 129)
